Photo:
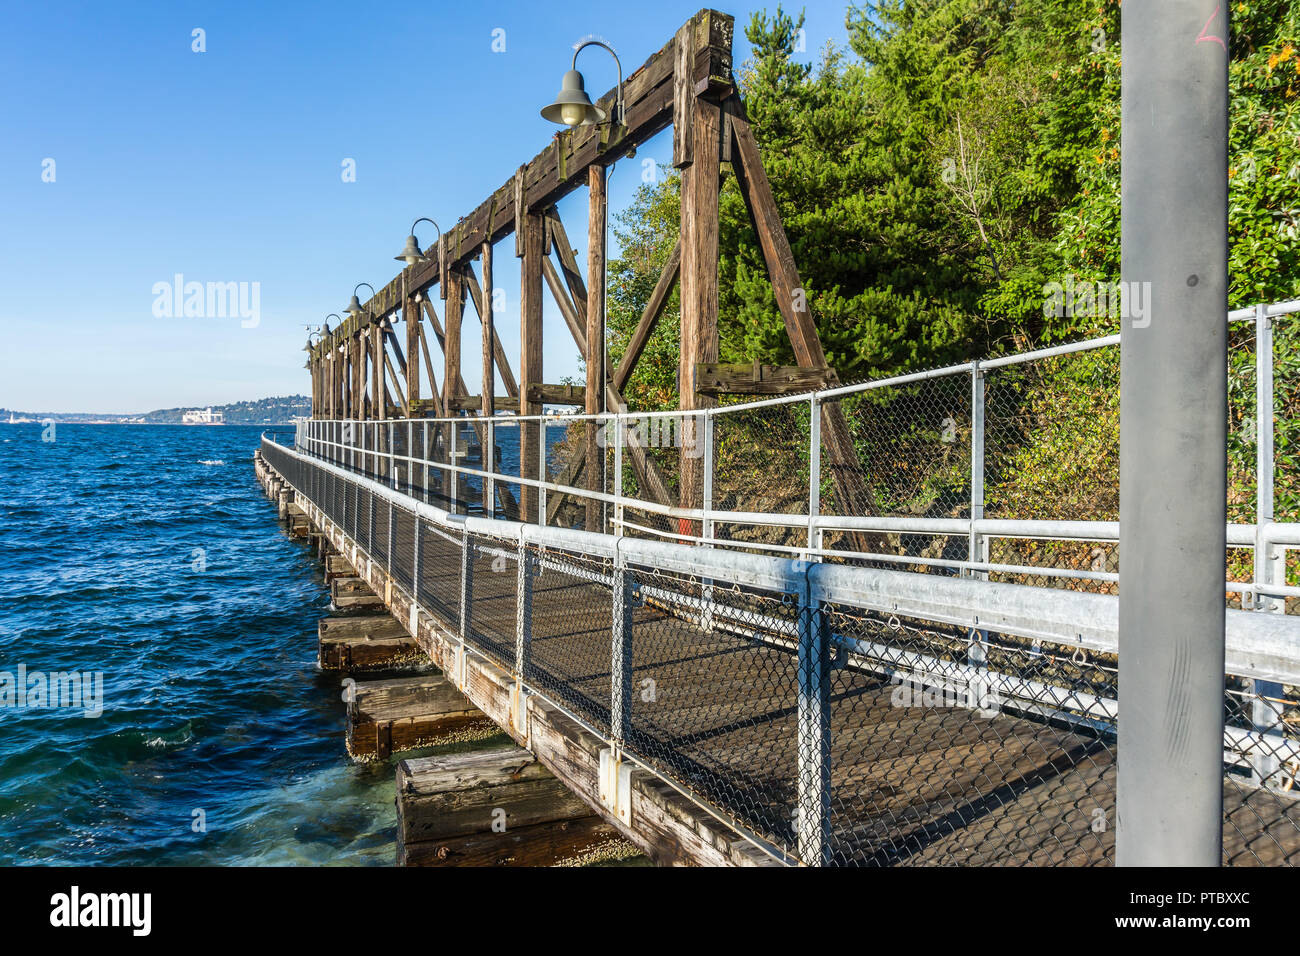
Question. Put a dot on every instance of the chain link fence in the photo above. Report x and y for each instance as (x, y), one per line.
(833, 731)
(834, 728)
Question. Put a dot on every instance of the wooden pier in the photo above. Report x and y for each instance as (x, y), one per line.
(778, 748)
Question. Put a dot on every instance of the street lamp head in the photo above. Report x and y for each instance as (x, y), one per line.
(572, 106)
(411, 254)
(354, 307)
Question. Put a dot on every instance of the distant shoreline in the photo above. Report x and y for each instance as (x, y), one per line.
(73, 421)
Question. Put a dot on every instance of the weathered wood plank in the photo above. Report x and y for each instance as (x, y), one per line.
(387, 716)
(654, 309)
(530, 360)
(370, 642)
(721, 378)
(595, 391)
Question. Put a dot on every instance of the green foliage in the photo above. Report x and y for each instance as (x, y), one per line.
(932, 177)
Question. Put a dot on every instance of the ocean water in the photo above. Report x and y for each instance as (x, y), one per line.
(148, 554)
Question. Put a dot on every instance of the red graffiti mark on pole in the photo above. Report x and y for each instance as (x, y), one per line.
(1210, 37)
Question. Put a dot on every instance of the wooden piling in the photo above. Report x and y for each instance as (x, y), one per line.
(495, 807)
(349, 594)
(370, 642)
(385, 716)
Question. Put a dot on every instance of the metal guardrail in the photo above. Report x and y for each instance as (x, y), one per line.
(950, 463)
(840, 714)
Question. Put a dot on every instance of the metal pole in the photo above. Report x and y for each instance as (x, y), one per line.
(541, 471)
(1265, 715)
(488, 462)
(814, 470)
(620, 714)
(618, 474)
(523, 611)
(977, 547)
(813, 785)
(466, 583)
(1173, 439)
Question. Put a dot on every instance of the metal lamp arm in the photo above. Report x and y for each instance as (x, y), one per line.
(619, 106)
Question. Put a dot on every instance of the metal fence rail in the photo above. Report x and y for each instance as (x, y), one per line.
(1004, 469)
(841, 714)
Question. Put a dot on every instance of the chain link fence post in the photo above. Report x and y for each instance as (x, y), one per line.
(541, 470)
(618, 474)
(813, 803)
(977, 550)
(814, 472)
(523, 611)
(1265, 716)
(466, 583)
(620, 712)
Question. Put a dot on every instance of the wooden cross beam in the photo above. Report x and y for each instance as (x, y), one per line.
(701, 51)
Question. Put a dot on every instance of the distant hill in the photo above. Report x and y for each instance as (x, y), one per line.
(263, 411)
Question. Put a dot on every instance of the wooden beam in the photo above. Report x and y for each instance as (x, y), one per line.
(411, 313)
(435, 395)
(399, 356)
(397, 387)
(597, 210)
(568, 264)
(491, 808)
(530, 359)
(717, 378)
(489, 345)
(358, 404)
(575, 320)
(452, 379)
(474, 403)
(377, 387)
(654, 309)
(699, 279)
(562, 166)
(482, 298)
(842, 461)
(387, 716)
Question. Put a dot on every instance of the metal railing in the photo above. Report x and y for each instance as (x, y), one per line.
(1002, 469)
(835, 713)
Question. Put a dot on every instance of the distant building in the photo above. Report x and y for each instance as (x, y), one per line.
(203, 416)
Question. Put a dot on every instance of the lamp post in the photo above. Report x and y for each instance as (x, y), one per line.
(572, 106)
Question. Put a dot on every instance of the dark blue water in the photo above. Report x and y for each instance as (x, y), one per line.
(148, 553)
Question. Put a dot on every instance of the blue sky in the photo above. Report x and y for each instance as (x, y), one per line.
(225, 166)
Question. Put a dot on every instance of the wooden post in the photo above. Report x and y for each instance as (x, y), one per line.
(486, 441)
(598, 205)
(699, 278)
(451, 368)
(358, 376)
(411, 312)
(530, 358)
(377, 387)
(855, 497)
(313, 369)
(332, 387)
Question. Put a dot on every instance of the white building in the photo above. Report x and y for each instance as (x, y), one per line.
(203, 416)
